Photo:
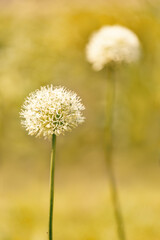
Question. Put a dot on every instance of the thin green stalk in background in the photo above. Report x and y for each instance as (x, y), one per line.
(52, 187)
(111, 102)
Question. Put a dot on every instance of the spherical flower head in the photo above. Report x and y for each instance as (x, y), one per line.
(112, 44)
(51, 110)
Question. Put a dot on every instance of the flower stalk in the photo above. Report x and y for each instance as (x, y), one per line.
(112, 46)
(52, 171)
(49, 112)
(109, 142)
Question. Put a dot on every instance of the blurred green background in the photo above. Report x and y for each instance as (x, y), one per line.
(43, 42)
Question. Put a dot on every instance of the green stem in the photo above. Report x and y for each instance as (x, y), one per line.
(109, 156)
(52, 168)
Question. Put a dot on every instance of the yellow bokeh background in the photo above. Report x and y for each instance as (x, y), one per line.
(41, 43)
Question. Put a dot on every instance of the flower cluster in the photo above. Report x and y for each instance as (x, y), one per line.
(51, 110)
(112, 44)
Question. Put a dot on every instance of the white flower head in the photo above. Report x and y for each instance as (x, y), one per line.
(51, 110)
(112, 44)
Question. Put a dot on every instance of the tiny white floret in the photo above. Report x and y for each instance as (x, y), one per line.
(51, 110)
(112, 44)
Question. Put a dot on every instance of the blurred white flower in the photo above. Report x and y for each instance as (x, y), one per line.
(51, 110)
(112, 44)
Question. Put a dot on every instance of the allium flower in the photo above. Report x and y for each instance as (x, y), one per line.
(112, 44)
(51, 110)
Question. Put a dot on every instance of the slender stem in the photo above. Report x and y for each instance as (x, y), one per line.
(52, 168)
(109, 155)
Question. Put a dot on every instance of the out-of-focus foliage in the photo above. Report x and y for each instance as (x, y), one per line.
(42, 44)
